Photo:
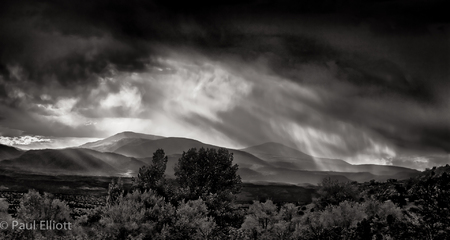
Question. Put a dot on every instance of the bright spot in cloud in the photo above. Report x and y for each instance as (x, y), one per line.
(128, 97)
(62, 112)
(374, 153)
(201, 89)
(160, 101)
(22, 140)
(329, 144)
(46, 97)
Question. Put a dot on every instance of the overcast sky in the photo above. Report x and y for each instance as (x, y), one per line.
(365, 82)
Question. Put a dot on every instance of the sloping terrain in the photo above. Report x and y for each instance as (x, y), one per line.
(276, 149)
(8, 152)
(281, 175)
(271, 162)
(285, 157)
(66, 161)
(73, 161)
(173, 146)
(252, 168)
(384, 169)
(124, 165)
(434, 172)
(114, 142)
(124, 153)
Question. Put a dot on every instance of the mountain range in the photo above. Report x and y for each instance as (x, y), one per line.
(123, 154)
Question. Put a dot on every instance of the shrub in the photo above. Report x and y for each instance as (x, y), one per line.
(333, 192)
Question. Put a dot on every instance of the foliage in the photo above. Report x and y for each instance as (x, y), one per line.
(190, 222)
(432, 194)
(37, 207)
(200, 205)
(351, 220)
(267, 221)
(145, 215)
(209, 174)
(4, 216)
(89, 223)
(152, 177)
(333, 192)
(208, 171)
(115, 192)
(3, 207)
(135, 215)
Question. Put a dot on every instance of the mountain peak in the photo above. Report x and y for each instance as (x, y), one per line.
(109, 143)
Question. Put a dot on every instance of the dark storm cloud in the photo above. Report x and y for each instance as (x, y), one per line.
(10, 132)
(34, 30)
(404, 124)
(381, 66)
(50, 41)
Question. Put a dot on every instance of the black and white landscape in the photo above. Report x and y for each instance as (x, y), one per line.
(124, 153)
(253, 119)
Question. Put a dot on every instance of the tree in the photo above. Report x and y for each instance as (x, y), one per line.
(208, 171)
(134, 216)
(432, 191)
(260, 220)
(36, 207)
(115, 192)
(265, 221)
(3, 208)
(152, 177)
(190, 222)
(333, 192)
(210, 174)
(5, 217)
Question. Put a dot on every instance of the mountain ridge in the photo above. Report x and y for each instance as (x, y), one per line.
(124, 153)
(7, 152)
(281, 155)
(266, 159)
(110, 144)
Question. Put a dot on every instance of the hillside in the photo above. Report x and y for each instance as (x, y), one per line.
(114, 142)
(8, 152)
(74, 161)
(171, 145)
(276, 149)
(282, 156)
(285, 157)
(272, 174)
(124, 153)
(264, 163)
(174, 145)
(435, 172)
(125, 165)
